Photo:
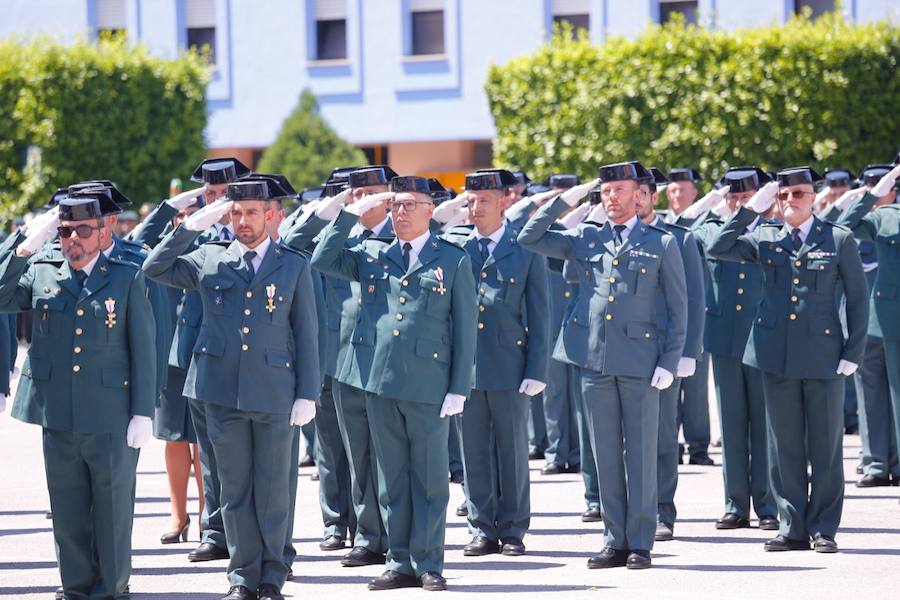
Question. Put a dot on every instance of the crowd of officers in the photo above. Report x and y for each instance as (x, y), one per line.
(428, 333)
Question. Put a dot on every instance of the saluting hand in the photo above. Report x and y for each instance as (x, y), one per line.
(576, 216)
(598, 214)
(447, 210)
(329, 208)
(764, 198)
(367, 203)
(574, 195)
(707, 202)
(185, 199)
(302, 412)
(848, 198)
(207, 216)
(886, 183)
(40, 230)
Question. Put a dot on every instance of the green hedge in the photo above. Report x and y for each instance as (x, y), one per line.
(821, 92)
(96, 110)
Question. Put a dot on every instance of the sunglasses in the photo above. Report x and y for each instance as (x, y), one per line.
(407, 205)
(797, 194)
(83, 231)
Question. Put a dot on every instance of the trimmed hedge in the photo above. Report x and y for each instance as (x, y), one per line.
(101, 110)
(822, 92)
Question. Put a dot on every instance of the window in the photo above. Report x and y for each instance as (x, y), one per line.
(819, 7)
(427, 27)
(483, 154)
(331, 30)
(110, 17)
(667, 9)
(376, 155)
(200, 16)
(574, 12)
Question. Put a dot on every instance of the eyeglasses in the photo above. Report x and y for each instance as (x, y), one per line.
(407, 205)
(83, 231)
(797, 194)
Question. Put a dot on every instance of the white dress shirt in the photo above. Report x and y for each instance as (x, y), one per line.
(260, 250)
(805, 227)
(494, 238)
(629, 225)
(417, 245)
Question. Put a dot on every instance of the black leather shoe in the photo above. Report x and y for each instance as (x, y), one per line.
(732, 521)
(269, 592)
(462, 510)
(48, 515)
(869, 481)
(290, 575)
(570, 468)
(639, 559)
(824, 544)
(536, 454)
(392, 580)
(664, 532)
(512, 546)
(780, 543)
(307, 461)
(239, 592)
(332, 542)
(768, 523)
(608, 558)
(591, 515)
(456, 477)
(360, 557)
(859, 469)
(700, 459)
(552, 469)
(433, 582)
(207, 551)
(481, 546)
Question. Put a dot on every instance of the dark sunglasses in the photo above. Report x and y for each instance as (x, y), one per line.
(795, 193)
(83, 231)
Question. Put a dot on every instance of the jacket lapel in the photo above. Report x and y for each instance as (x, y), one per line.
(814, 239)
(783, 239)
(271, 262)
(428, 254)
(66, 279)
(235, 261)
(503, 249)
(97, 280)
(395, 254)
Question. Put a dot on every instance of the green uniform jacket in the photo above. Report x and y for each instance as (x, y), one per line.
(414, 337)
(797, 332)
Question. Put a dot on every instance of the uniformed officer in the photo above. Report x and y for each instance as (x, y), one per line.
(837, 182)
(414, 367)
(613, 336)
(510, 367)
(89, 381)
(255, 365)
(803, 261)
(732, 298)
(215, 174)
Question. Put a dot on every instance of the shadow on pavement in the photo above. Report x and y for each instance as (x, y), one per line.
(14, 566)
(21, 591)
(737, 568)
(6, 532)
(501, 565)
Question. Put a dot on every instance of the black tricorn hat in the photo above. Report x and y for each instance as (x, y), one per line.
(105, 197)
(115, 195)
(79, 209)
(58, 195)
(374, 175)
(872, 174)
(745, 179)
(839, 177)
(627, 171)
(257, 187)
(282, 181)
(522, 177)
(490, 179)
(797, 176)
(310, 194)
(217, 171)
(438, 192)
(342, 173)
(329, 190)
(684, 174)
(563, 181)
(411, 183)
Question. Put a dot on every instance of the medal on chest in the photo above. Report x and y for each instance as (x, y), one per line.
(110, 312)
(270, 298)
(439, 274)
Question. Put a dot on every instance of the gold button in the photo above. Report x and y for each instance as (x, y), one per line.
(798, 263)
(567, 294)
(738, 308)
(481, 326)
(247, 311)
(287, 364)
(125, 382)
(481, 308)
(405, 282)
(878, 293)
(249, 294)
(827, 332)
(399, 317)
(78, 331)
(794, 298)
(435, 355)
(611, 298)
(481, 291)
(77, 349)
(612, 279)
(609, 317)
(740, 291)
(615, 261)
(203, 349)
(512, 279)
(76, 368)
(643, 270)
(245, 347)
(647, 334)
(483, 275)
(741, 276)
(519, 343)
(395, 332)
(46, 306)
(245, 329)
(821, 267)
(793, 317)
(79, 312)
(796, 281)
(402, 300)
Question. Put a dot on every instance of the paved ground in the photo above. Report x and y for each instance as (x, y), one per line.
(701, 562)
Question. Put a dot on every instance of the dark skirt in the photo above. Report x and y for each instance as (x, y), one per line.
(172, 418)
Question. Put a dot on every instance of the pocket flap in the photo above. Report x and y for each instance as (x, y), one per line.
(210, 345)
(640, 330)
(433, 349)
(825, 327)
(820, 265)
(114, 378)
(217, 283)
(48, 303)
(278, 358)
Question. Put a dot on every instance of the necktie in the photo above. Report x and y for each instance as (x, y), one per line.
(82, 277)
(618, 234)
(795, 238)
(225, 235)
(249, 255)
(484, 243)
(407, 247)
(367, 234)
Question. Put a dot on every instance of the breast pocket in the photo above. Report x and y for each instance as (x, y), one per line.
(219, 295)
(511, 282)
(436, 294)
(48, 315)
(645, 276)
(372, 286)
(775, 270)
(824, 271)
(891, 247)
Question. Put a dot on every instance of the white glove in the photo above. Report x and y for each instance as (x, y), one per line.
(848, 198)
(531, 387)
(207, 216)
(764, 198)
(457, 218)
(576, 216)
(329, 208)
(886, 183)
(821, 197)
(538, 200)
(721, 209)
(573, 196)
(598, 214)
(140, 430)
(39, 220)
(367, 203)
(845, 367)
(686, 366)
(2, 402)
(302, 412)
(707, 202)
(453, 405)
(185, 199)
(447, 210)
(40, 231)
(661, 378)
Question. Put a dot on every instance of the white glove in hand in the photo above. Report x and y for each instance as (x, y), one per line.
(598, 214)
(140, 430)
(453, 405)
(329, 208)
(886, 183)
(686, 366)
(721, 209)
(531, 387)
(576, 216)
(43, 229)
(367, 203)
(538, 200)
(848, 198)
(302, 412)
(661, 378)
(2, 402)
(41, 219)
(845, 367)
(573, 196)
(447, 210)
(185, 199)
(457, 218)
(819, 203)
(207, 216)
(707, 202)
(764, 198)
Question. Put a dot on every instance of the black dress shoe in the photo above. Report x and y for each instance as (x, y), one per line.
(307, 461)
(608, 558)
(536, 454)
(462, 510)
(895, 481)
(173, 537)
(392, 580)
(552, 469)
(239, 592)
(638, 559)
(433, 582)
(331, 543)
(207, 551)
(290, 575)
(824, 545)
(768, 523)
(664, 532)
(360, 557)
(869, 481)
(570, 468)
(701, 459)
(456, 477)
(481, 546)
(732, 521)
(314, 476)
(48, 515)
(591, 515)
(268, 591)
(512, 546)
(780, 543)
(859, 469)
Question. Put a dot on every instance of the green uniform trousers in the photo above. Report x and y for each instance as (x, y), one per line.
(290, 553)
(892, 364)
(667, 452)
(622, 415)
(742, 414)
(693, 408)
(455, 452)
(334, 467)
(212, 529)
(586, 449)
(91, 479)
(253, 450)
(537, 426)
(876, 415)
(559, 417)
(806, 426)
(408, 438)
(495, 463)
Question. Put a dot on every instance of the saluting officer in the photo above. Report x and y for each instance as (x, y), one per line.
(89, 382)
(803, 262)
(613, 336)
(413, 351)
(255, 365)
